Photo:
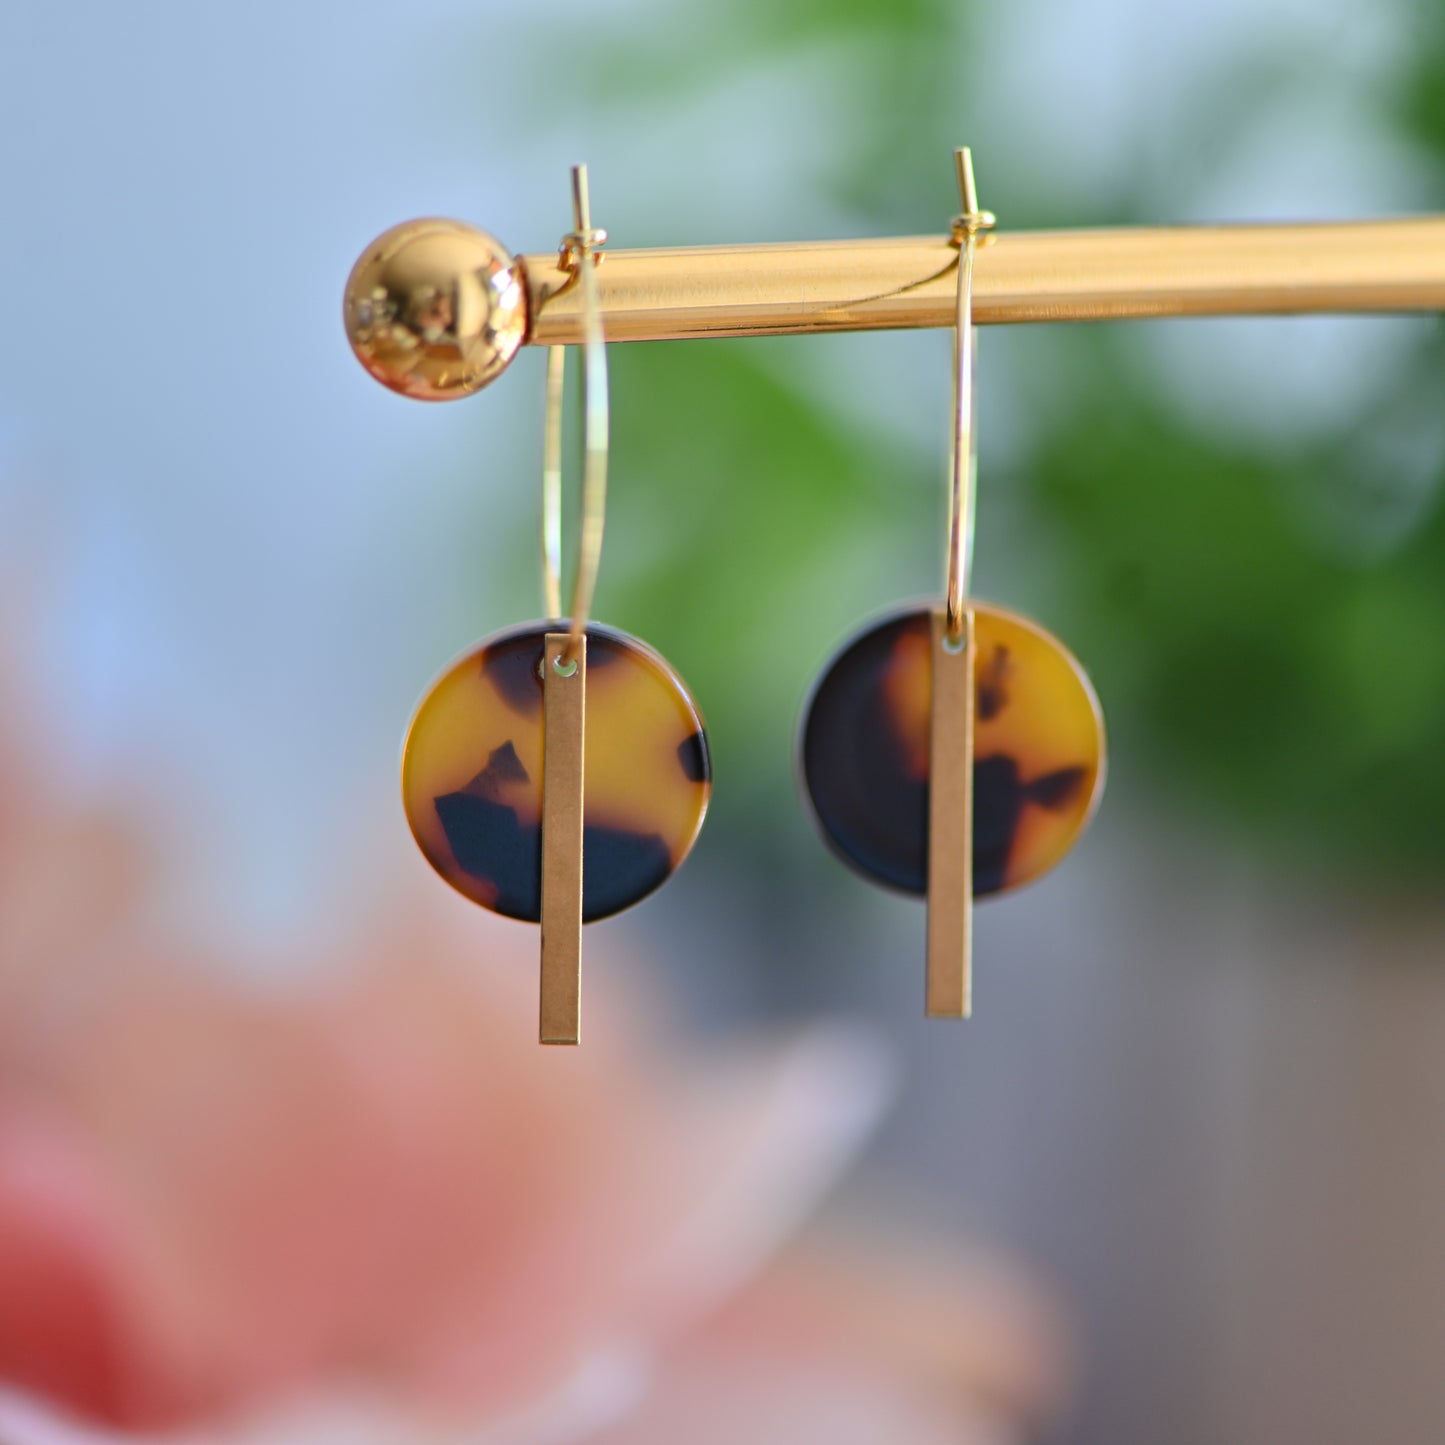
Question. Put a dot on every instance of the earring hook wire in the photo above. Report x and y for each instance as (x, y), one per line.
(963, 466)
(579, 254)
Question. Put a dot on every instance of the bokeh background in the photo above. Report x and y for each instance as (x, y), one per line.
(1202, 1103)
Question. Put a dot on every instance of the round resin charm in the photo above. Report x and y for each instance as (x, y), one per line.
(471, 772)
(1038, 751)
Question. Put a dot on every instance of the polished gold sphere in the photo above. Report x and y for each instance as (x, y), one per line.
(435, 309)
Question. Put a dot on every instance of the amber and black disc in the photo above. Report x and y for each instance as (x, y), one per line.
(471, 772)
(1038, 751)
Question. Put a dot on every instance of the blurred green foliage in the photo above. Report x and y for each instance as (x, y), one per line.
(749, 505)
(1299, 691)
(1269, 675)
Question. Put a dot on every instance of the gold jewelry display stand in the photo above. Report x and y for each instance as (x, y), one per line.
(436, 309)
(1396, 265)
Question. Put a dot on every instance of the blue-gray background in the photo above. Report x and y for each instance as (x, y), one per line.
(1204, 1093)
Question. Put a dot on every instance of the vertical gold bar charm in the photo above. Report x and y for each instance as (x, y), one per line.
(564, 711)
(950, 824)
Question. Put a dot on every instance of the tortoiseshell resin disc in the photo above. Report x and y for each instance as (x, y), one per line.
(1038, 751)
(471, 772)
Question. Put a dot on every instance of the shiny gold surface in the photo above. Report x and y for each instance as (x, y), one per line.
(963, 464)
(579, 252)
(949, 987)
(552, 482)
(408, 288)
(564, 716)
(435, 309)
(1393, 265)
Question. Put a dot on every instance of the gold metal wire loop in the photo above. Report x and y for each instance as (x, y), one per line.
(962, 496)
(579, 252)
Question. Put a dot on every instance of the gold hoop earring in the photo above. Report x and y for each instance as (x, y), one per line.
(958, 750)
(559, 772)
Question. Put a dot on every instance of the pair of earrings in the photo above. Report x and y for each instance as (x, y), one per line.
(559, 771)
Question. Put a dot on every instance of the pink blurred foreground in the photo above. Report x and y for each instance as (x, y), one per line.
(376, 1211)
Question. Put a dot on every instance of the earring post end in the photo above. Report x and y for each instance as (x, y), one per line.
(967, 187)
(581, 200)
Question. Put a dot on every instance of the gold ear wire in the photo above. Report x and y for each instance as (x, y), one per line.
(964, 465)
(552, 483)
(949, 986)
(579, 256)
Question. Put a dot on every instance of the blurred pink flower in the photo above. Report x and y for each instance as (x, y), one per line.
(376, 1211)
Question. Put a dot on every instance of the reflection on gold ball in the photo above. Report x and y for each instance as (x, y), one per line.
(435, 309)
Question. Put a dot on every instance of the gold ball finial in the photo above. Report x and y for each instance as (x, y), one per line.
(435, 309)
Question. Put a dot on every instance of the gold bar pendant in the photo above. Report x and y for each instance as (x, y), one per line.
(564, 711)
(950, 825)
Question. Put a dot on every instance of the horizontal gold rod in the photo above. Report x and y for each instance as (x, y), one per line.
(655, 295)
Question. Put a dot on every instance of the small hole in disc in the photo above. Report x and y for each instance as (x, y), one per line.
(564, 669)
(954, 645)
